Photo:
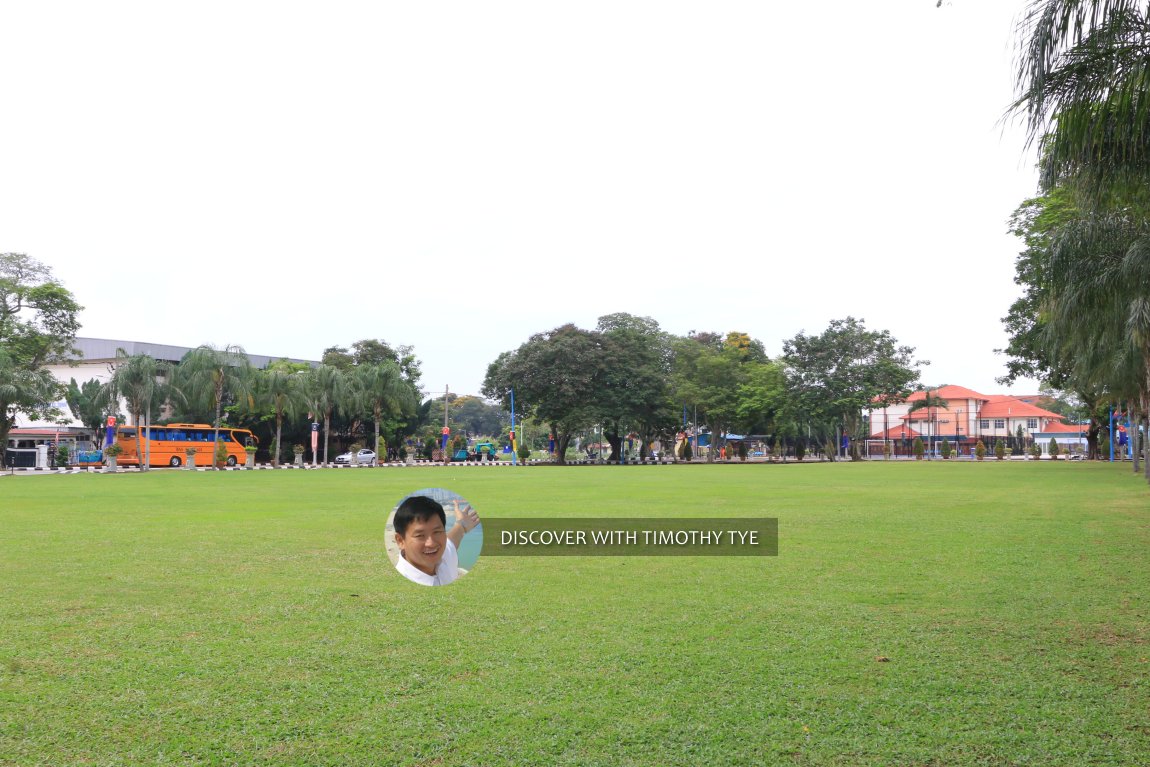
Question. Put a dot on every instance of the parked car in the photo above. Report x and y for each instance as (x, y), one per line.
(365, 456)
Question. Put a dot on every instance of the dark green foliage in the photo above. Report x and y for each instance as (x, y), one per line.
(919, 449)
(999, 450)
(38, 323)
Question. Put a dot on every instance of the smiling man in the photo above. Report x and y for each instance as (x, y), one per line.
(428, 552)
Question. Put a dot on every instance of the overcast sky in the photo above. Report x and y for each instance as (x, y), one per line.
(290, 176)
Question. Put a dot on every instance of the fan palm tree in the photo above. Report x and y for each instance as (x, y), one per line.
(382, 390)
(930, 403)
(325, 388)
(209, 375)
(142, 381)
(1098, 306)
(283, 391)
(1084, 89)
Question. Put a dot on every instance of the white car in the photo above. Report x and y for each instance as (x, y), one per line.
(365, 457)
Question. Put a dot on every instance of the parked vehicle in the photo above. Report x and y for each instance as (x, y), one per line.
(169, 444)
(365, 457)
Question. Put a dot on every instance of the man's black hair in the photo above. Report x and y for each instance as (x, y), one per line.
(417, 508)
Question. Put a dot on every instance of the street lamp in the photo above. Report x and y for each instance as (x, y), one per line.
(958, 432)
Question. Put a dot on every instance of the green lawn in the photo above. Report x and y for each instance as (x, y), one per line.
(240, 618)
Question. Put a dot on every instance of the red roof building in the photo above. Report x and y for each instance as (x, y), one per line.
(963, 416)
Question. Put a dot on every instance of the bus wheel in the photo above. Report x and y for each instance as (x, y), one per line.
(175, 461)
(231, 460)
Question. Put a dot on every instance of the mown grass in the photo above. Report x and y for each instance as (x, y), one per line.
(939, 613)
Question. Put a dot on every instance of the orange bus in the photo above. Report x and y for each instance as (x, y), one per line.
(169, 444)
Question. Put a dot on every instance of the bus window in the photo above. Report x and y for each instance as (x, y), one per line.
(159, 434)
(177, 435)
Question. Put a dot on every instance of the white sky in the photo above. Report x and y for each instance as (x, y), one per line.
(290, 176)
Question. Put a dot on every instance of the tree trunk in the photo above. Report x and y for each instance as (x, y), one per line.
(1132, 440)
(6, 424)
(1092, 431)
(616, 443)
(375, 428)
(139, 440)
(326, 431)
(147, 464)
(279, 446)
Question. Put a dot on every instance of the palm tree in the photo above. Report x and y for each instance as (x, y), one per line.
(1098, 307)
(326, 388)
(91, 403)
(209, 375)
(141, 380)
(382, 390)
(282, 390)
(1083, 82)
(930, 402)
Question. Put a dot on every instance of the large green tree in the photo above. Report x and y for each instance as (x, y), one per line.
(554, 375)
(1084, 89)
(708, 373)
(632, 392)
(38, 324)
(836, 375)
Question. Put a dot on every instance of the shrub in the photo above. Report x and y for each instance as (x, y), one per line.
(743, 450)
(1053, 449)
(919, 450)
(524, 452)
(1035, 451)
(685, 451)
(999, 450)
(886, 450)
(980, 450)
(832, 452)
(945, 449)
(800, 450)
(61, 457)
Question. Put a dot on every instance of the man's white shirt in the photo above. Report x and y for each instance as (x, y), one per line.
(446, 572)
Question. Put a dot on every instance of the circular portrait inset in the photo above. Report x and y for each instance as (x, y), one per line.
(433, 537)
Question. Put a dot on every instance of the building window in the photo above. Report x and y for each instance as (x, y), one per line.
(999, 423)
(1032, 423)
(984, 423)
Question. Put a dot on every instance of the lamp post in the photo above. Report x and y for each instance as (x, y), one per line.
(958, 433)
(514, 457)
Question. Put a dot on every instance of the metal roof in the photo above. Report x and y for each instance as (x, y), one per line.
(92, 349)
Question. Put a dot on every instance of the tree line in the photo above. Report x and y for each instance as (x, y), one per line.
(626, 376)
(629, 377)
(1082, 323)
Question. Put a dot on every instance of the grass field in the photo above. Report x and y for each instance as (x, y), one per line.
(917, 614)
